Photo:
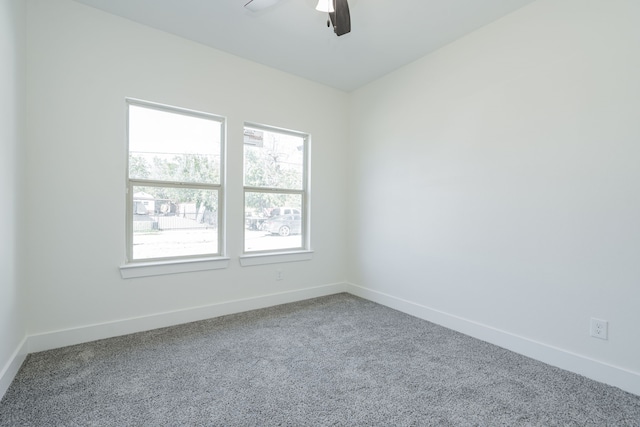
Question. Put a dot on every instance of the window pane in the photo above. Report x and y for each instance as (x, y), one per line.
(273, 160)
(166, 146)
(273, 221)
(173, 222)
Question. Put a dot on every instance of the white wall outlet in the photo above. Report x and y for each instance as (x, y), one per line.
(599, 328)
(279, 274)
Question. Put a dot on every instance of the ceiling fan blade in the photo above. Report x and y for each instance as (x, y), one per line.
(257, 5)
(341, 18)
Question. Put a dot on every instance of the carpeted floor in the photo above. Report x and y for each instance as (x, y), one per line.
(331, 361)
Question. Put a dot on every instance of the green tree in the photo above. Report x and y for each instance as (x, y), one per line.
(275, 165)
(192, 168)
(186, 168)
(139, 167)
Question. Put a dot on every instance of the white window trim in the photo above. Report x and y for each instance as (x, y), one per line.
(171, 265)
(283, 255)
(158, 268)
(248, 260)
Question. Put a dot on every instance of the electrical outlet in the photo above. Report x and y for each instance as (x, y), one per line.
(279, 274)
(599, 328)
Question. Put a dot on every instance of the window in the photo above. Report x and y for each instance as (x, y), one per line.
(174, 183)
(276, 195)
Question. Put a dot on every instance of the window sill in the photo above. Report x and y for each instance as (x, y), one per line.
(158, 268)
(274, 258)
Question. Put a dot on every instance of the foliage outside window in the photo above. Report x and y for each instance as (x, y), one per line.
(275, 190)
(174, 183)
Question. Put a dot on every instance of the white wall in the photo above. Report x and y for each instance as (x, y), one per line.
(12, 303)
(82, 63)
(496, 181)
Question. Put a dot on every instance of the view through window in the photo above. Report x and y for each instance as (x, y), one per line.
(174, 182)
(275, 189)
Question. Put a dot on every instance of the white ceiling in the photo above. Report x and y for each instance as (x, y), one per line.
(293, 37)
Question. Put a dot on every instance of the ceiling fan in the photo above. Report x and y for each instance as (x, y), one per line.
(338, 11)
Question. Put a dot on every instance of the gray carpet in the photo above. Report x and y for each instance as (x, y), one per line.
(331, 361)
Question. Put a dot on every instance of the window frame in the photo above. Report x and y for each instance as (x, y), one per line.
(303, 252)
(174, 264)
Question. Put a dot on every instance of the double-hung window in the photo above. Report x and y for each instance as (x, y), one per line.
(276, 196)
(174, 183)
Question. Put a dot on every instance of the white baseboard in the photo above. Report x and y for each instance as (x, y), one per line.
(582, 365)
(596, 370)
(63, 338)
(9, 371)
